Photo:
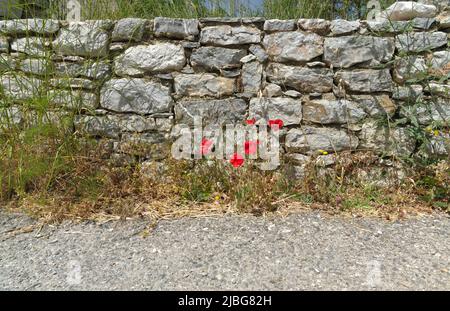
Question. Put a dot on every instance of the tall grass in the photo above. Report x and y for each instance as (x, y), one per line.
(280, 9)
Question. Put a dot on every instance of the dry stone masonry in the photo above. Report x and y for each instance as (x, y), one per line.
(336, 85)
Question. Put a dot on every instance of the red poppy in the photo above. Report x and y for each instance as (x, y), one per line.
(251, 121)
(251, 147)
(206, 146)
(237, 160)
(278, 122)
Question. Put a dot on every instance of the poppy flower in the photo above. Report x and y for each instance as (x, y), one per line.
(206, 146)
(251, 121)
(237, 160)
(251, 147)
(278, 122)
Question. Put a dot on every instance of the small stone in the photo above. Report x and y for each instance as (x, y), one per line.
(409, 92)
(387, 141)
(273, 25)
(248, 58)
(343, 27)
(211, 112)
(286, 109)
(154, 58)
(366, 80)
(89, 39)
(293, 94)
(259, 52)
(336, 111)
(73, 99)
(344, 52)
(198, 85)
(73, 83)
(216, 58)
(135, 95)
(29, 26)
(225, 35)
(310, 140)
(129, 29)
(272, 90)
(33, 46)
(176, 28)
(20, 87)
(252, 74)
(319, 26)
(407, 10)
(303, 79)
(37, 66)
(410, 68)
(295, 46)
(420, 41)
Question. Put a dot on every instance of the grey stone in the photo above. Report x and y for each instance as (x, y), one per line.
(20, 87)
(96, 70)
(342, 27)
(336, 111)
(386, 141)
(273, 25)
(310, 140)
(229, 73)
(135, 95)
(154, 58)
(33, 46)
(407, 10)
(4, 45)
(29, 26)
(438, 145)
(293, 94)
(288, 110)
(420, 41)
(385, 26)
(442, 90)
(444, 21)
(319, 26)
(423, 23)
(409, 92)
(98, 126)
(73, 99)
(272, 90)
(375, 105)
(88, 39)
(176, 28)
(410, 68)
(344, 52)
(198, 85)
(227, 35)
(366, 80)
(216, 58)
(129, 29)
(212, 112)
(252, 74)
(294, 46)
(303, 79)
(441, 61)
(259, 52)
(436, 111)
(37, 66)
(247, 59)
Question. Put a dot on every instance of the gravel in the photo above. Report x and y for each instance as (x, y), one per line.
(305, 251)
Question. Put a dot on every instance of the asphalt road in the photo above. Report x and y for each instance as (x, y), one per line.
(307, 251)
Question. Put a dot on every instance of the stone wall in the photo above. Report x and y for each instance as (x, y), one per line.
(335, 85)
